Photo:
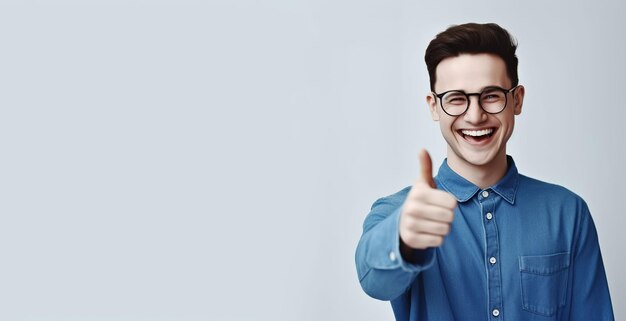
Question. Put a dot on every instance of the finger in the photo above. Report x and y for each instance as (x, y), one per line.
(431, 213)
(434, 197)
(422, 241)
(426, 166)
(428, 227)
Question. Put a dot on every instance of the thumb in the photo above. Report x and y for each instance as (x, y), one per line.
(426, 169)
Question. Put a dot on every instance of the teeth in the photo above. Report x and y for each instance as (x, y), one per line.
(476, 133)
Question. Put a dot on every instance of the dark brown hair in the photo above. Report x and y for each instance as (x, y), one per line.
(472, 38)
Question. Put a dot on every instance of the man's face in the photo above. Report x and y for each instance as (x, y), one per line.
(472, 73)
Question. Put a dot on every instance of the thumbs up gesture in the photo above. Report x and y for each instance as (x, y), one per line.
(427, 212)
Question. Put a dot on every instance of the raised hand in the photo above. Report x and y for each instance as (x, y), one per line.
(427, 212)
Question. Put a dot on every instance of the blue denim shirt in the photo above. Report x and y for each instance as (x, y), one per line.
(521, 249)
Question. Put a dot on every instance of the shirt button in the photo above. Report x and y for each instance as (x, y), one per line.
(485, 193)
(495, 312)
(492, 260)
(392, 256)
(489, 216)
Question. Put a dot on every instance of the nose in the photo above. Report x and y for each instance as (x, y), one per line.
(474, 114)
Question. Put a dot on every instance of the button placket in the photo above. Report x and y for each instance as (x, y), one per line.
(492, 251)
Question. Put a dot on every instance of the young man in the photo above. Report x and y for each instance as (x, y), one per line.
(480, 241)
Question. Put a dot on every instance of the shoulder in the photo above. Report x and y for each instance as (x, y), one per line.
(384, 207)
(395, 199)
(537, 190)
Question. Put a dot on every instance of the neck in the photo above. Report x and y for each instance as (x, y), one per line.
(482, 176)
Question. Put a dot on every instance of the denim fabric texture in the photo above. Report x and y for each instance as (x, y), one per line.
(520, 250)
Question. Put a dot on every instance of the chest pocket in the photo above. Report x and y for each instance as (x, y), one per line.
(544, 282)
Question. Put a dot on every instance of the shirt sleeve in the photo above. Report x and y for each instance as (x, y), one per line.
(590, 298)
(382, 271)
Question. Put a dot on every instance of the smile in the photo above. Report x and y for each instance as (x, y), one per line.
(477, 136)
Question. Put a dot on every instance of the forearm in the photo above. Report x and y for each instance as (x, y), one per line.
(383, 272)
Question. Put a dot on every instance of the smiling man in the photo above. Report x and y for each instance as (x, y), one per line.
(480, 241)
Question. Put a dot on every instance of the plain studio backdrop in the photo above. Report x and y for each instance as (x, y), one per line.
(190, 160)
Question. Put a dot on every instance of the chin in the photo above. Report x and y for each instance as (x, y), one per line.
(478, 160)
(477, 152)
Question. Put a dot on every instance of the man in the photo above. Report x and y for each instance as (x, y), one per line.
(480, 241)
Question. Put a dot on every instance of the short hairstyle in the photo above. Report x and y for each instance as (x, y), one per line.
(472, 38)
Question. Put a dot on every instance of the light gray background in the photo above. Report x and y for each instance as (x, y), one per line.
(189, 160)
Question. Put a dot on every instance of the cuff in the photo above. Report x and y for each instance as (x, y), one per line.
(385, 251)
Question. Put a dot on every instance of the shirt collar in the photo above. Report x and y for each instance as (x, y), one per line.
(463, 189)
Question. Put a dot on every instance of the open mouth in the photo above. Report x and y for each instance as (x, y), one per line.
(477, 136)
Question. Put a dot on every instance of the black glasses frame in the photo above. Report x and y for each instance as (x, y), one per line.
(467, 95)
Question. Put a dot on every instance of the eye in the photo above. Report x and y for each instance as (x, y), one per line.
(492, 96)
(455, 99)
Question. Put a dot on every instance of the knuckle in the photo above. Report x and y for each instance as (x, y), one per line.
(409, 207)
(417, 226)
(421, 190)
(406, 223)
(447, 215)
(445, 229)
(451, 201)
(412, 240)
(437, 240)
(415, 209)
(425, 227)
(404, 235)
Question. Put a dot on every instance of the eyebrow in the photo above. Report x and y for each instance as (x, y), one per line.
(479, 91)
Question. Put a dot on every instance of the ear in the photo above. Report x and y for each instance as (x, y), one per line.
(518, 99)
(432, 105)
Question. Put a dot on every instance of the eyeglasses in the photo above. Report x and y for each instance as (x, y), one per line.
(456, 102)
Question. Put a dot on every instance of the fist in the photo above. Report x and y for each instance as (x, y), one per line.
(427, 212)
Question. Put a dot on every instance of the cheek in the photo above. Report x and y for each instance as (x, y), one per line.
(508, 125)
(448, 131)
(448, 124)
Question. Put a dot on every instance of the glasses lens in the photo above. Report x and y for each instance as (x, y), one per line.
(493, 100)
(454, 102)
